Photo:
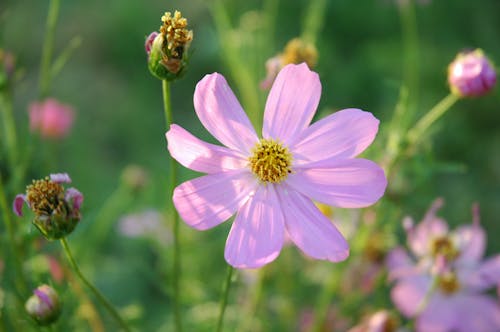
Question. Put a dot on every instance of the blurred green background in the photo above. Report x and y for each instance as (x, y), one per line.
(120, 120)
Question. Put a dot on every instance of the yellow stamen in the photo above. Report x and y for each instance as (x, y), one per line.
(271, 161)
(448, 283)
(175, 33)
(444, 246)
(45, 196)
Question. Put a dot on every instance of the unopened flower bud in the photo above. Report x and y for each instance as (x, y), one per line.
(44, 306)
(471, 74)
(135, 177)
(57, 210)
(167, 50)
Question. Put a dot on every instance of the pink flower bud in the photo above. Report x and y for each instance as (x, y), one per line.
(50, 118)
(44, 305)
(471, 74)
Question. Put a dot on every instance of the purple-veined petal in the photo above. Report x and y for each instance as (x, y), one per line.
(347, 183)
(409, 293)
(477, 312)
(291, 104)
(74, 196)
(221, 114)
(439, 315)
(471, 242)
(343, 134)
(60, 178)
(207, 201)
(258, 231)
(17, 206)
(310, 229)
(200, 156)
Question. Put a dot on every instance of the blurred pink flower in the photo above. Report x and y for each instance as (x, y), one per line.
(471, 74)
(148, 223)
(269, 182)
(445, 288)
(380, 321)
(50, 118)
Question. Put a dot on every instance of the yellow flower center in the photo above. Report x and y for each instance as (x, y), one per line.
(448, 283)
(45, 196)
(271, 161)
(445, 247)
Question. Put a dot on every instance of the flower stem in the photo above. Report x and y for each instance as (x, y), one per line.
(314, 20)
(417, 132)
(48, 48)
(224, 297)
(9, 129)
(94, 290)
(167, 107)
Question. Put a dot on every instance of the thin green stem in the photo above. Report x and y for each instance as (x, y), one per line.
(314, 20)
(20, 280)
(416, 133)
(224, 297)
(9, 129)
(48, 49)
(167, 107)
(94, 290)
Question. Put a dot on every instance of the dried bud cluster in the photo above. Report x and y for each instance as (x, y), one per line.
(167, 50)
(57, 211)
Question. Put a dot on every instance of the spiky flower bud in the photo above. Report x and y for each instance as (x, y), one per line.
(57, 210)
(167, 50)
(471, 74)
(44, 306)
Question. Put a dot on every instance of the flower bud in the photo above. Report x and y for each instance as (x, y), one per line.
(135, 177)
(167, 50)
(471, 74)
(44, 306)
(57, 211)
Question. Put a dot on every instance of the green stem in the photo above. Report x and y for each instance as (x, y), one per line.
(224, 297)
(416, 133)
(94, 290)
(314, 19)
(20, 280)
(48, 48)
(9, 129)
(167, 107)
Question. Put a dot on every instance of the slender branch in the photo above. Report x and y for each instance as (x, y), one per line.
(224, 297)
(94, 290)
(167, 107)
(48, 49)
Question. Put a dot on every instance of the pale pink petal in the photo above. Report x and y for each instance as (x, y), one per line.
(484, 276)
(439, 315)
(221, 114)
(309, 229)
(477, 313)
(471, 242)
(421, 236)
(17, 206)
(291, 103)
(347, 183)
(75, 197)
(207, 201)
(399, 264)
(200, 156)
(343, 134)
(60, 178)
(257, 234)
(409, 293)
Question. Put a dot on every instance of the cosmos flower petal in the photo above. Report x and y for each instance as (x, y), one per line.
(291, 103)
(472, 243)
(399, 264)
(200, 156)
(408, 293)
(74, 196)
(310, 230)
(257, 234)
(207, 201)
(343, 134)
(485, 276)
(440, 315)
(477, 313)
(221, 114)
(60, 178)
(347, 183)
(18, 204)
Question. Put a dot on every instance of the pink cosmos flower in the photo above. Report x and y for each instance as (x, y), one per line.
(447, 294)
(51, 119)
(270, 182)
